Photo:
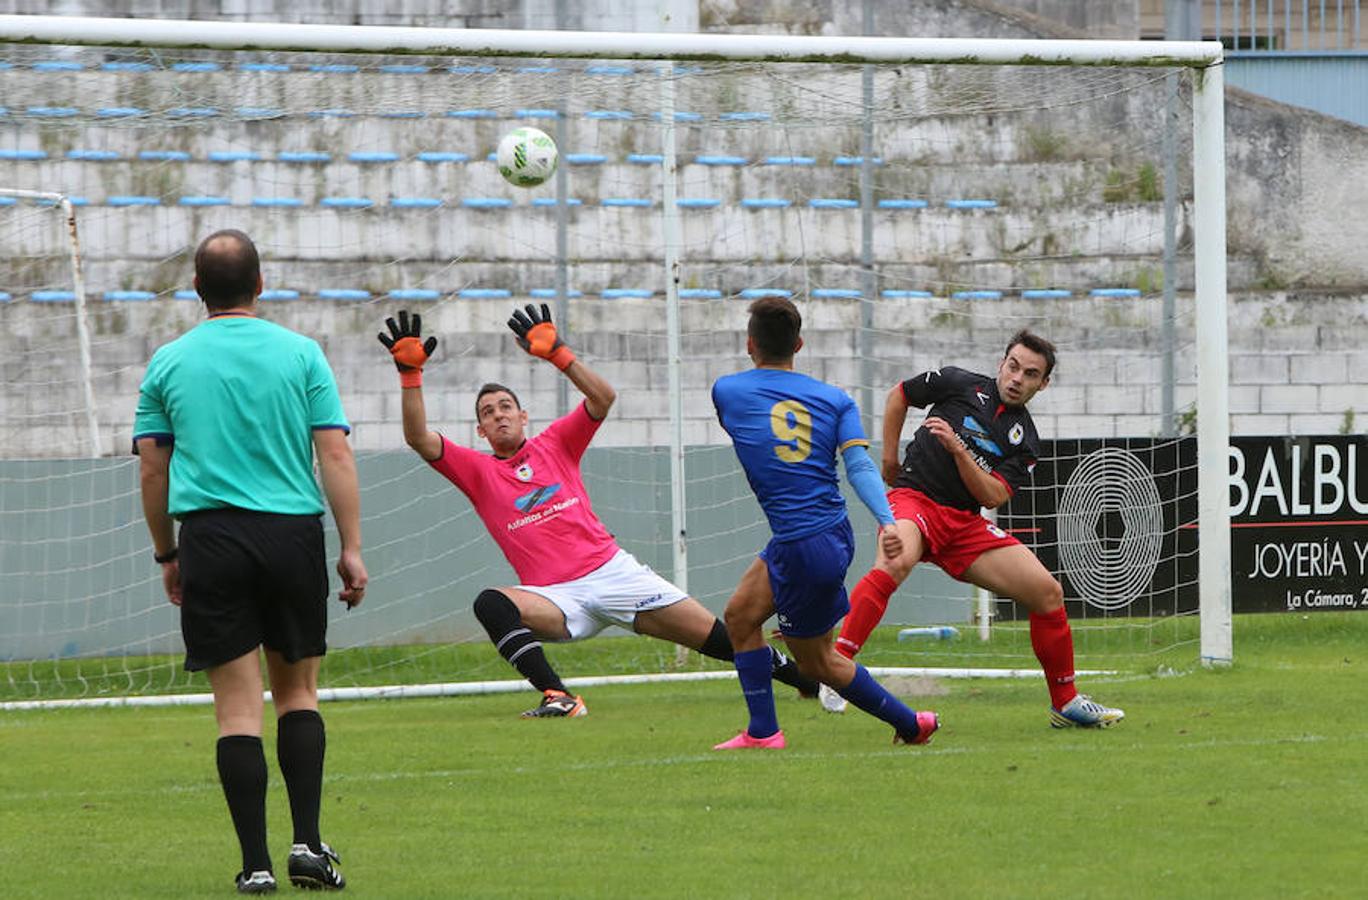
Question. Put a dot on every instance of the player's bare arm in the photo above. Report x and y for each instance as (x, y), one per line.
(411, 353)
(987, 490)
(537, 335)
(895, 415)
(337, 470)
(154, 469)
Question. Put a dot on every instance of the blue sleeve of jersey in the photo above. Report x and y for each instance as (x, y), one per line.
(864, 478)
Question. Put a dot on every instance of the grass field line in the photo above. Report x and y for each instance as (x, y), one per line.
(1104, 745)
(504, 686)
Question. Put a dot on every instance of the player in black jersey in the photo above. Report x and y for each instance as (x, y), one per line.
(976, 447)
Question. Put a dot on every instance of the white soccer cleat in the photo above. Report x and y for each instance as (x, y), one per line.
(832, 702)
(1083, 712)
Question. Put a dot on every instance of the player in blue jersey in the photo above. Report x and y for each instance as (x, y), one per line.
(787, 429)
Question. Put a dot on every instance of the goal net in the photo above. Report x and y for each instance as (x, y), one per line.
(918, 213)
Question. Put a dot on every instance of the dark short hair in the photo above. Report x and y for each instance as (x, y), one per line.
(227, 269)
(774, 327)
(1034, 342)
(491, 387)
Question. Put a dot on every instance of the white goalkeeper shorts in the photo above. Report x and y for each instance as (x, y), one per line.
(612, 594)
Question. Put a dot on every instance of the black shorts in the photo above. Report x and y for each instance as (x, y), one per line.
(252, 578)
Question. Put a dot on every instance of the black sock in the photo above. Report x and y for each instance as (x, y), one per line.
(503, 622)
(242, 772)
(719, 646)
(300, 744)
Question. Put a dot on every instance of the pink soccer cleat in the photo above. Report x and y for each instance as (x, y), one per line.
(744, 741)
(928, 723)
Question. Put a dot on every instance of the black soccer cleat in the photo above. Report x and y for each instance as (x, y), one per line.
(261, 882)
(314, 871)
(556, 703)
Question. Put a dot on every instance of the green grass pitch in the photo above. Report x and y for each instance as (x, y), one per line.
(1247, 782)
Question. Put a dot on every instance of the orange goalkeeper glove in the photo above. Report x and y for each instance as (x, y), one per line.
(405, 344)
(537, 335)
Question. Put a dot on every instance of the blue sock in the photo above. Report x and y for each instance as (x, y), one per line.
(753, 669)
(874, 698)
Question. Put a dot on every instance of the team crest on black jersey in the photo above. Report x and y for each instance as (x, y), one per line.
(979, 436)
(1016, 434)
(523, 472)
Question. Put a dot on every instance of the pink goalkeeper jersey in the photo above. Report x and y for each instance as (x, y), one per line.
(534, 503)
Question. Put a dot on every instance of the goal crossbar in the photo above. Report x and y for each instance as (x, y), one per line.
(106, 32)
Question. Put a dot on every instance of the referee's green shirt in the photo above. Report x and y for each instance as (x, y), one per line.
(240, 398)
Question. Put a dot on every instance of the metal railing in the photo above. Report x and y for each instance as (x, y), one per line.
(1286, 26)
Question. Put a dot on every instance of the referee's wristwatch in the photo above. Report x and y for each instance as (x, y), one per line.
(168, 556)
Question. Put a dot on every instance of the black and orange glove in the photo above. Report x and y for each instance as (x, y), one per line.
(405, 344)
(537, 335)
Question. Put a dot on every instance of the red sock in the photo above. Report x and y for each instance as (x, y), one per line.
(868, 603)
(1052, 640)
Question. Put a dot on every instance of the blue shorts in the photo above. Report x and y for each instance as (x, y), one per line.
(807, 577)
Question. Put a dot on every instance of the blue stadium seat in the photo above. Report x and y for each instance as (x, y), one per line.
(902, 204)
(129, 295)
(263, 67)
(187, 295)
(486, 202)
(57, 65)
(120, 112)
(1045, 294)
(977, 295)
(343, 294)
(699, 294)
(460, 69)
(259, 112)
(551, 201)
(472, 114)
(5, 297)
(279, 294)
(837, 294)
(232, 156)
(550, 293)
(346, 202)
(971, 204)
(303, 156)
(681, 116)
(1114, 292)
(23, 154)
(619, 293)
(697, 202)
(414, 294)
(335, 68)
(442, 156)
(383, 156)
(855, 161)
(403, 69)
(608, 114)
(484, 293)
(585, 159)
(645, 159)
(790, 161)
(896, 293)
(832, 203)
(609, 70)
(745, 117)
(636, 202)
(536, 114)
(53, 112)
(9, 201)
(93, 155)
(766, 203)
(757, 293)
(163, 156)
(132, 200)
(718, 160)
(53, 296)
(195, 67)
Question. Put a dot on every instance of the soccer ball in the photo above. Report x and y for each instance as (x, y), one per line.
(527, 157)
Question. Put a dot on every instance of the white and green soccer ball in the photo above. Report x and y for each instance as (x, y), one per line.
(527, 157)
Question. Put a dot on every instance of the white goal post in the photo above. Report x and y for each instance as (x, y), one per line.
(1208, 178)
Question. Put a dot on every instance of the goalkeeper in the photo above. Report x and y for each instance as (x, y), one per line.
(574, 578)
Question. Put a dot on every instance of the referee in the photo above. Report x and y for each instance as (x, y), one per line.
(230, 417)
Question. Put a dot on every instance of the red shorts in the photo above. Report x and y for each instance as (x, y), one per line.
(954, 538)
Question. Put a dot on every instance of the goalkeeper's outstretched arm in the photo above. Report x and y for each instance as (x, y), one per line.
(411, 353)
(536, 334)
